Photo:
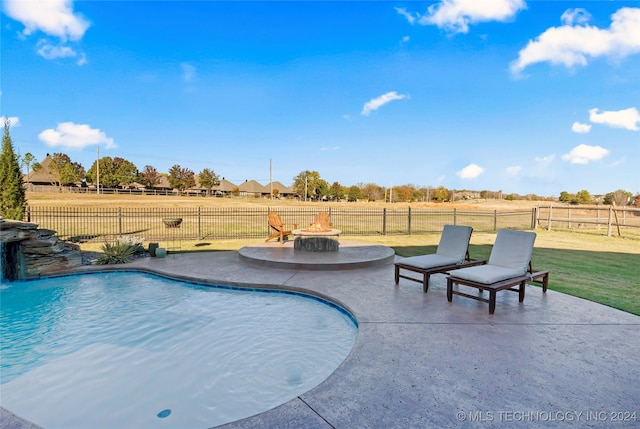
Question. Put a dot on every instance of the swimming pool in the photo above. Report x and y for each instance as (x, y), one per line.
(128, 349)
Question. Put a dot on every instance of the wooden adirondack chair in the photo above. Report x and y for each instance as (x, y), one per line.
(278, 228)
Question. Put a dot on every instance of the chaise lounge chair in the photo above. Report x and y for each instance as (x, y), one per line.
(452, 253)
(278, 228)
(509, 265)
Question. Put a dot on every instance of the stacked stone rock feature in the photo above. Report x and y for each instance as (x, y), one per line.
(30, 252)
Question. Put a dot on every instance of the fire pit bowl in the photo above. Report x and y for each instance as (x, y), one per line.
(172, 222)
(316, 241)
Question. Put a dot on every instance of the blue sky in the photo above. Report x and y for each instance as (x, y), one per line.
(527, 97)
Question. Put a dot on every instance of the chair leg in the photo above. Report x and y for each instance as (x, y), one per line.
(425, 282)
(397, 275)
(492, 301)
(449, 289)
(521, 291)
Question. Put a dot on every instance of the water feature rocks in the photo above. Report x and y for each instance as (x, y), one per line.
(30, 252)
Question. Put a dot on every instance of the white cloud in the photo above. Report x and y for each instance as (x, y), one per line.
(456, 15)
(514, 170)
(544, 161)
(626, 118)
(327, 148)
(188, 72)
(411, 17)
(52, 17)
(82, 60)
(574, 42)
(406, 39)
(580, 128)
(75, 136)
(50, 52)
(583, 154)
(471, 171)
(575, 16)
(376, 103)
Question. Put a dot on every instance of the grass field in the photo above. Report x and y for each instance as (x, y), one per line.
(591, 266)
(53, 199)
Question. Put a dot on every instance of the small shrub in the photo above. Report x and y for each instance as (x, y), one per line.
(116, 253)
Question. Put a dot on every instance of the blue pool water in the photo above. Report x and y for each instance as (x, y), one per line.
(134, 350)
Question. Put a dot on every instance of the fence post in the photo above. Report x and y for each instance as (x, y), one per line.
(549, 220)
(535, 212)
(120, 221)
(199, 229)
(409, 221)
(609, 221)
(495, 220)
(384, 221)
(455, 216)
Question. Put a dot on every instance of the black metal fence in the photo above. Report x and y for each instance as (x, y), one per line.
(199, 223)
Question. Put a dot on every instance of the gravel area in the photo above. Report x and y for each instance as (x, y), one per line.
(88, 257)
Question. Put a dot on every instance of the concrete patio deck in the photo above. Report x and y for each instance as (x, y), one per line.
(420, 361)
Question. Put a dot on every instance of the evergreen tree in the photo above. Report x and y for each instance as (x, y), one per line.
(12, 196)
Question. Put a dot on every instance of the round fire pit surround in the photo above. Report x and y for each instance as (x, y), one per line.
(316, 241)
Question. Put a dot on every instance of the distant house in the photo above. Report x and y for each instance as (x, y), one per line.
(251, 188)
(225, 188)
(284, 191)
(35, 180)
(43, 176)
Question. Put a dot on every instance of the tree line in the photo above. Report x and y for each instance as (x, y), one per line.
(307, 185)
(118, 172)
(618, 198)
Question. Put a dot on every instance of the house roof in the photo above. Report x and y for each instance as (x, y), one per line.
(43, 175)
(280, 187)
(225, 186)
(251, 186)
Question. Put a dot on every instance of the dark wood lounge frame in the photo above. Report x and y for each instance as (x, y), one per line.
(427, 272)
(538, 277)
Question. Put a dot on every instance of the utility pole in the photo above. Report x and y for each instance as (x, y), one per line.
(271, 178)
(98, 169)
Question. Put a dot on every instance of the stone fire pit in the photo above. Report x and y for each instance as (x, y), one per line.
(318, 237)
(307, 240)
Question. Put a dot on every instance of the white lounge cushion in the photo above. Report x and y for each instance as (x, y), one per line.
(513, 249)
(486, 274)
(430, 261)
(454, 241)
